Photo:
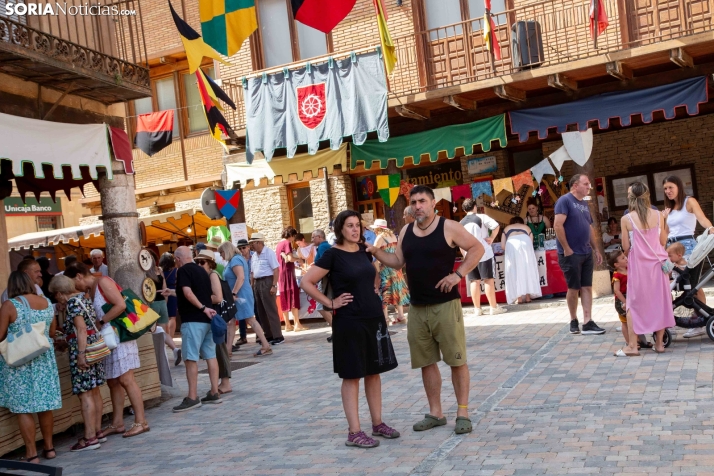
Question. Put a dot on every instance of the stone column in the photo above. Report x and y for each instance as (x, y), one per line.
(4, 251)
(121, 228)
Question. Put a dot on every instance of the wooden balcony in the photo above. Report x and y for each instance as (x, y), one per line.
(450, 66)
(100, 57)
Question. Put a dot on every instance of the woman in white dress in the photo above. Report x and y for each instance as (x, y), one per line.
(119, 366)
(522, 280)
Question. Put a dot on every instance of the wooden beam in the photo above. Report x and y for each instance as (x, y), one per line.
(618, 70)
(681, 58)
(413, 112)
(558, 81)
(510, 93)
(460, 103)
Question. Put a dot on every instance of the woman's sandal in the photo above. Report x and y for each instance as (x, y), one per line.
(45, 453)
(263, 352)
(108, 431)
(133, 431)
(84, 444)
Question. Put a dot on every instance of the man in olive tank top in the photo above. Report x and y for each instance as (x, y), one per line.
(428, 248)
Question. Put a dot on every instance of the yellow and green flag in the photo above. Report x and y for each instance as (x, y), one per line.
(388, 187)
(196, 48)
(226, 24)
(388, 50)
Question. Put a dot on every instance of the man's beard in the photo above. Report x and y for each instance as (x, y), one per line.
(421, 220)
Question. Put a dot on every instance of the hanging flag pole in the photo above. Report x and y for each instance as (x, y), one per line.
(596, 11)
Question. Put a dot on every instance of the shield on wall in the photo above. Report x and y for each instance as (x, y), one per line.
(311, 104)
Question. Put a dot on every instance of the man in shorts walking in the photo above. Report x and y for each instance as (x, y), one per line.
(428, 248)
(479, 226)
(576, 242)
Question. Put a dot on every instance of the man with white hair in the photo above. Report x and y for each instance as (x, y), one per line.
(409, 215)
(264, 274)
(98, 266)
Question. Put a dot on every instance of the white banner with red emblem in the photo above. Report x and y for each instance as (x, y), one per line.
(318, 102)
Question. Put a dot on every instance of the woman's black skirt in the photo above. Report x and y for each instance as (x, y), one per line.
(361, 347)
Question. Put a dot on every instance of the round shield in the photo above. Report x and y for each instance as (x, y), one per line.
(208, 204)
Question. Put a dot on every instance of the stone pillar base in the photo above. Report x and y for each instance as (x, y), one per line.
(601, 283)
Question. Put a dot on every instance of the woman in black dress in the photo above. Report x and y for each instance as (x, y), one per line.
(360, 339)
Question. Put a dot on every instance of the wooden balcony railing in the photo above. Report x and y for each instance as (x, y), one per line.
(457, 54)
(111, 45)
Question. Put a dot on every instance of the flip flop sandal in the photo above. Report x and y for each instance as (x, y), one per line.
(51, 450)
(429, 422)
(223, 393)
(143, 428)
(632, 354)
(262, 353)
(620, 353)
(108, 431)
(463, 425)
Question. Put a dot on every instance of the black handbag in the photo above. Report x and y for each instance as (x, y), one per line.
(226, 308)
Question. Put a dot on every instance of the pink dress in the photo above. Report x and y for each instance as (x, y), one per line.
(289, 290)
(649, 299)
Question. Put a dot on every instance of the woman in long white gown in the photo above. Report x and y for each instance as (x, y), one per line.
(522, 280)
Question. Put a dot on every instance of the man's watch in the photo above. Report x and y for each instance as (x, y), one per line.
(203, 308)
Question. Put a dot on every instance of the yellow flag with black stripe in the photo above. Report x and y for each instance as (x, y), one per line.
(226, 24)
(196, 48)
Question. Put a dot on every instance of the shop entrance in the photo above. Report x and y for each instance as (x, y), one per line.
(301, 208)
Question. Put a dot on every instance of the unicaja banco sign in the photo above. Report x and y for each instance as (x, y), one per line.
(61, 8)
(14, 206)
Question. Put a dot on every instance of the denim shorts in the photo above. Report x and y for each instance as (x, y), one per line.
(197, 341)
(689, 244)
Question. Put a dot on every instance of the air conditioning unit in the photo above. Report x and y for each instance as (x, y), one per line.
(526, 45)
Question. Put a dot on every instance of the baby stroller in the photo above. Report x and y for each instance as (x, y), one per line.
(685, 291)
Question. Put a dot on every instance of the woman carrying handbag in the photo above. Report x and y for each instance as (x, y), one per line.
(33, 387)
(86, 377)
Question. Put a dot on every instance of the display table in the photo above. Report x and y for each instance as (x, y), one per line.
(551, 276)
(146, 376)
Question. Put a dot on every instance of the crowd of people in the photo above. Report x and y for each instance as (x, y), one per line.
(351, 277)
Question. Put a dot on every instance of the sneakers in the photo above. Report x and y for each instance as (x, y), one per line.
(383, 430)
(478, 311)
(187, 404)
(498, 310)
(695, 332)
(574, 326)
(211, 398)
(590, 328)
(177, 357)
(361, 440)
(329, 339)
(277, 341)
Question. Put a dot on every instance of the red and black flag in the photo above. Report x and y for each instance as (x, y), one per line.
(154, 131)
(217, 124)
(323, 15)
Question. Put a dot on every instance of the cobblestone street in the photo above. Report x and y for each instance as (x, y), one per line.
(542, 402)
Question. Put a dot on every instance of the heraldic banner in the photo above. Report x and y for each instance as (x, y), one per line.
(324, 101)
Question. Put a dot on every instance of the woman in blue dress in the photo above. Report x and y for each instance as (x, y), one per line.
(33, 387)
(237, 274)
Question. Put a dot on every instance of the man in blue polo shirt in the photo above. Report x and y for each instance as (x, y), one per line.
(321, 244)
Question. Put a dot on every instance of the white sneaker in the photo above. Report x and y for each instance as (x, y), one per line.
(696, 332)
(618, 329)
(478, 311)
(498, 310)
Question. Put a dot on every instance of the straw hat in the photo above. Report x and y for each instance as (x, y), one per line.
(380, 223)
(256, 237)
(216, 241)
(207, 255)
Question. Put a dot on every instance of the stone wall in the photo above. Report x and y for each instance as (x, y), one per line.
(503, 170)
(266, 211)
(318, 197)
(341, 197)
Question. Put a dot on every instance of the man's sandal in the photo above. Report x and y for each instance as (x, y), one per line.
(429, 422)
(108, 431)
(31, 460)
(45, 453)
(136, 429)
(463, 425)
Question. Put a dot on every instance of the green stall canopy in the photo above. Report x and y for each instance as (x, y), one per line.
(446, 139)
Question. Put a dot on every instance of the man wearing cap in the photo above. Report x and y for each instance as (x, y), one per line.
(264, 272)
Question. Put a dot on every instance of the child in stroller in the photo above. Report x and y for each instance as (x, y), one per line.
(688, 282)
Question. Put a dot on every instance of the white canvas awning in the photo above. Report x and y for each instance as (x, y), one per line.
(55, 237)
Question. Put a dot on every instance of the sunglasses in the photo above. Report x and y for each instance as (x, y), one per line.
(241, 248)
(201, 262)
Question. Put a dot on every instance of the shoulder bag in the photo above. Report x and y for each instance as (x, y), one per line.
(107, 339)
(137, 318)
(226, 308)
(667, 266)
(25, 345)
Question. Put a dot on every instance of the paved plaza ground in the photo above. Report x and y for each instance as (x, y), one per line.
(543, 402)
